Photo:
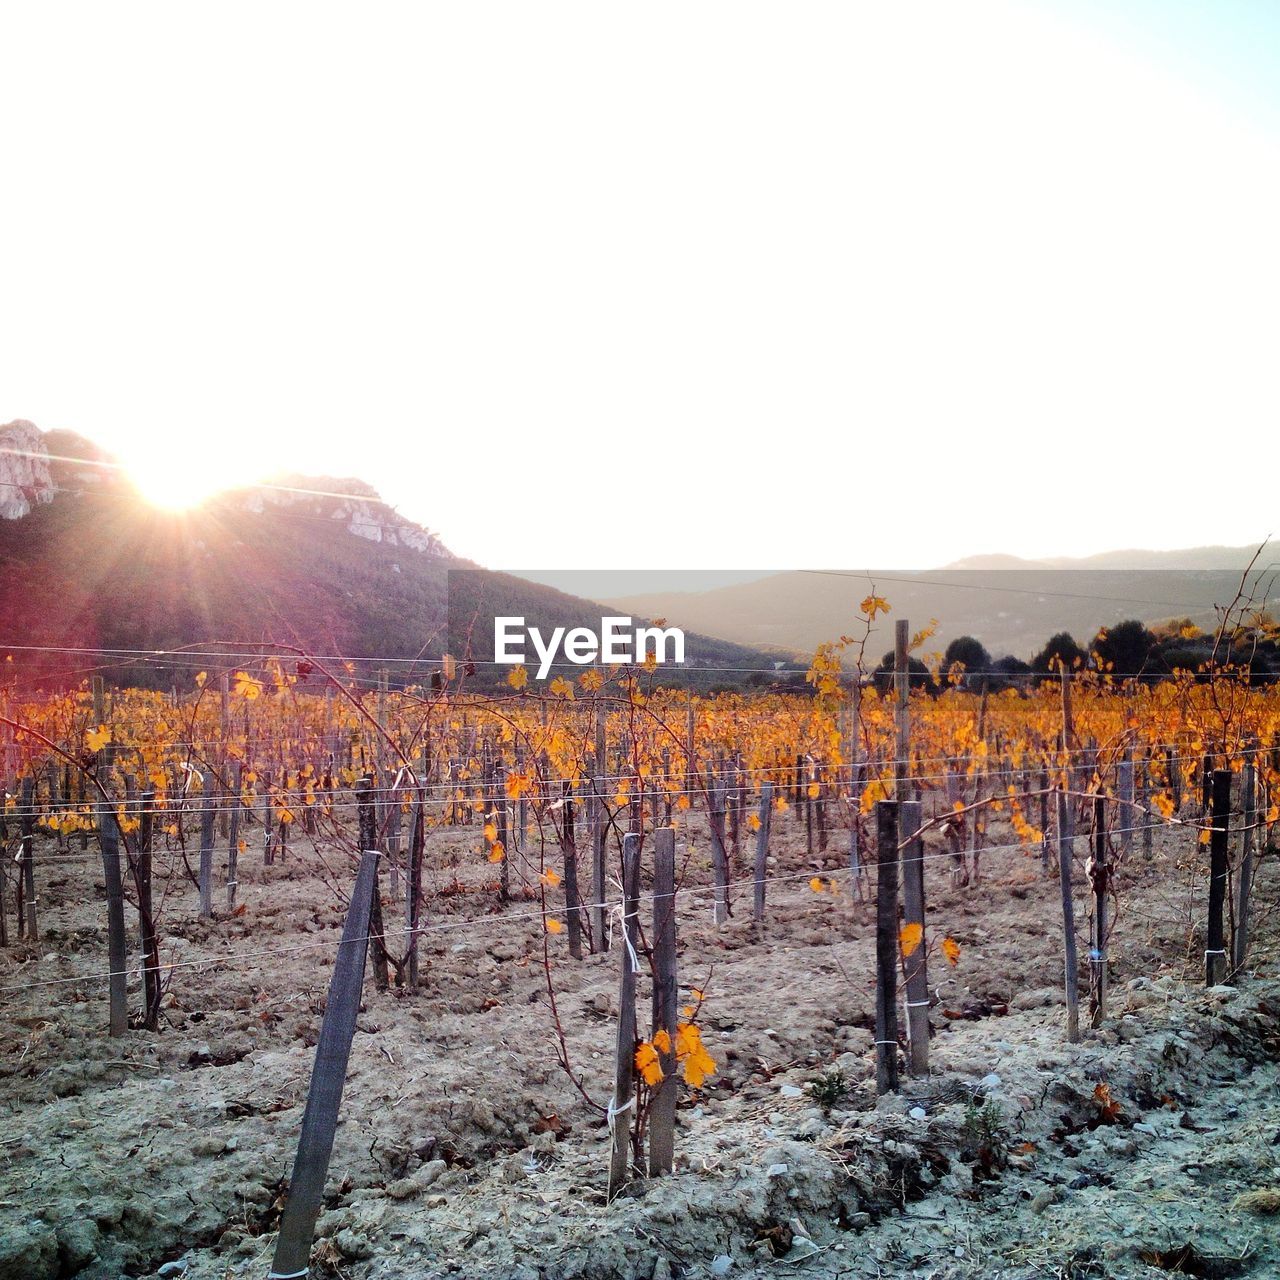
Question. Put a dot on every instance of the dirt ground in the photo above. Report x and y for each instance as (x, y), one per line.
(1150, 1148)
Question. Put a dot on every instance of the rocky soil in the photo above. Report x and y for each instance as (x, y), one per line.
(1151, 1148)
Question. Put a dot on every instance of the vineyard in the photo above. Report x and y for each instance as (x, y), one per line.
(310, 970)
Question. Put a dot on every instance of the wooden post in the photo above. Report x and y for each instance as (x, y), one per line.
(572, 896)
(233, 842)
(902, 705)
(887, 946)
(328, 1075)
(394, 823)
(1144, 807)
(599, 830)
(662, 1111)
(208, 815)
(1244, 891)
(719, 856)
(1044, 820)
(1124, 774)
(762, 849)
(1071, 963)
(117, 946)
(916, 964)
(498, 793)
(146, 917)
(368, 827)
(413, 883)
(623, 1100)
(27, 845)
(224, 723)
(1099, 878)
(1215, 955)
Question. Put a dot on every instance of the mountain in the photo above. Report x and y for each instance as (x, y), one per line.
(1012, 606)
(315, 562)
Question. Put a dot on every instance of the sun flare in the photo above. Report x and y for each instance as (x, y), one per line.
(177, 483)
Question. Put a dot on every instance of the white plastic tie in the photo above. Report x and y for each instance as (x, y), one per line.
(615, 1111)
(616, 912)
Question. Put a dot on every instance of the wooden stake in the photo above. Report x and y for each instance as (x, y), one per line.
(208, 815)
(117, 946)
(1215, 955)
(662, 1110)
(146, 918)
(572, 897)
(762, 849)
(328, 1075)
(887, 946)
(233, 843)
(1244, 891)
(916, 964)
(1071, 963)
(719, 857)
(599, 830)
(623, 1101)
(27, 848)
(368, 827)
(1124, 778)
(1099, 878)
(413, 883)
(902, 706)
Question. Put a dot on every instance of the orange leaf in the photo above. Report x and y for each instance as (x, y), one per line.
(910, 935)
(951, 949)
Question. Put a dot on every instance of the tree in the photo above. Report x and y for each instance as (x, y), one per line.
(1061, 652)
(918, 675)
(1126, 648)
(969, 652)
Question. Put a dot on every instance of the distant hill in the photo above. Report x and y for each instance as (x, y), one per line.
(316, 562)
(1013, 606)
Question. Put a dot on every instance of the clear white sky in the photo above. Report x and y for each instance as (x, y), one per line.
(592, 285)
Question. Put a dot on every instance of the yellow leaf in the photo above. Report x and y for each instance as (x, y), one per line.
(951, 949)
(246, 686)
(872, 605)
(753, 822)
(910, 935)
(550, 876)
(816, 884)
(518, 678)
(591, 680)
(662, 1041)
(647, 1064)
(561, 688)
(201, 677)
(98, 738)
(490, 832)
(814, 791)
(554, 925)
(497, 853)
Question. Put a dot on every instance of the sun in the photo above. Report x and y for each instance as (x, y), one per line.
(178, 483)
